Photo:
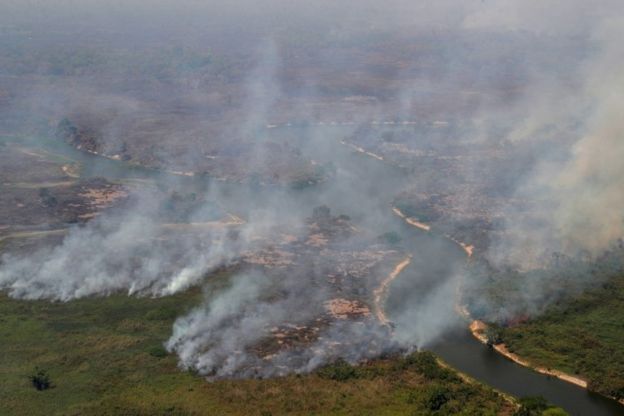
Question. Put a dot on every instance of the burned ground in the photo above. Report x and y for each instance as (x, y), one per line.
(38, 194)
(338, 272)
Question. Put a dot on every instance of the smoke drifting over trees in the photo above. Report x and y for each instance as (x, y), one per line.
(198, 88)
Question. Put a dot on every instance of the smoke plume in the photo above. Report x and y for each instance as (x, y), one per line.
(540, 78)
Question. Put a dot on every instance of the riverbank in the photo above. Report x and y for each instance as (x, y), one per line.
(582, 335)
(105, 356)
(410, 220)
(511, 400)
(380, 293)
(425, 227)
(479, 329)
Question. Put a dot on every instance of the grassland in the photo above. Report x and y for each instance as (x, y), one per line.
(104, 356)
(582, 336)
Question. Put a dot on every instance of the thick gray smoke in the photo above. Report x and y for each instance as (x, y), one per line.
(122, 251)
(574, 192)
(218, 338)
(571, 190)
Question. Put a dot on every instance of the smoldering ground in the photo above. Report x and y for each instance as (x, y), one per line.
(560, 102)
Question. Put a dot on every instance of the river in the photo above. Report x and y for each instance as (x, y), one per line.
(375, 182)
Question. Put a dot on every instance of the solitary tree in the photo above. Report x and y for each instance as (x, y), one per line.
(40, 379)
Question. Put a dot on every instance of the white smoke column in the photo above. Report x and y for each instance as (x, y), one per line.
(421, 323)
(212, 338)
(216, 337)
(576, 192)
(120, 251)
(590, 187)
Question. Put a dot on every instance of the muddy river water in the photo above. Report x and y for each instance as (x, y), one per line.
(363, 188)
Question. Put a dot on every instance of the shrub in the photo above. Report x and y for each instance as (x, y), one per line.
(157, 351)
(47, 199)
(40, 379)
(494, 336)
(554, 411)
(66, 129)
(438, 396)
(532, 406)
(426, 364)
(340, 370)
(162, 314)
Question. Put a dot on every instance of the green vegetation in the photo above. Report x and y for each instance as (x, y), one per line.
(568, 316)
(494, 335)
(41, 379)
(105, 356)
(507, 296)
(538, 406)
(340, 370)
(582, 336)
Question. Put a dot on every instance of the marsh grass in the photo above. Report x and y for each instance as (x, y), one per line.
(105, 356)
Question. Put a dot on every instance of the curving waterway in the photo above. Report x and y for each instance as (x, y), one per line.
(433, 264)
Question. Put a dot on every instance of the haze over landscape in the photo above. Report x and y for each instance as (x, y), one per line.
(208, 195)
